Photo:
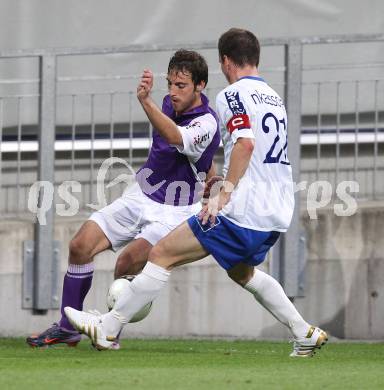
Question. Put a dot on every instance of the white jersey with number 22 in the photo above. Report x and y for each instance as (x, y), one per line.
(263, 199)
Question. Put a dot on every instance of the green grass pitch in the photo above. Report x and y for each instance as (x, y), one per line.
(190, 364)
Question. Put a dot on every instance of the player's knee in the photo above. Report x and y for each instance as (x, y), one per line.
(79, 252)
(158, 255)
(241, 275)
(120, 267)
(126, 264)
(242, 281)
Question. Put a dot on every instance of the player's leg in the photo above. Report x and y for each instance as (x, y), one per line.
(270, 294)
(133, 258)
(177, 248)
(87, 242)
(241, 273)
(110, 227)
(130, 262)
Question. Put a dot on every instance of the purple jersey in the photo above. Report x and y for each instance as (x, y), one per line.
(173, 173)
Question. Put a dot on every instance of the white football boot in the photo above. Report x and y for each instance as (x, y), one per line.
(91, 325)
(115, 344)
(305, 347)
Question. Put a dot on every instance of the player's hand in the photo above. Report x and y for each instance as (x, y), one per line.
(145, 85)
(211, 188)
(215, 204)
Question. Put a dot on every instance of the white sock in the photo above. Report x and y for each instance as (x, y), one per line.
(269, 293)
(143, 289)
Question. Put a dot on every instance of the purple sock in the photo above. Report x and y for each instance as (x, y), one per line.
(77, 282)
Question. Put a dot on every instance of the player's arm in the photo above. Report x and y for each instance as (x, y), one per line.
(164, 125)
(211, 181)
(239, 161)
(197, 136)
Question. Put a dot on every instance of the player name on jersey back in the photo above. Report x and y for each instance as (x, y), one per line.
(263, 98)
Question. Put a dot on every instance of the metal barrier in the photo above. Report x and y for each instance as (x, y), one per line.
(51, 132)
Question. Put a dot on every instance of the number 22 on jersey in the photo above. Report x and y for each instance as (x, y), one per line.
(276, 153)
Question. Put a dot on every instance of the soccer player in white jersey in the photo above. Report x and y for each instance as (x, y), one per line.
(241, 223)
(185, 139)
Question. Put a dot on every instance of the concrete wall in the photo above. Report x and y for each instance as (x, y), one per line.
(344, 285)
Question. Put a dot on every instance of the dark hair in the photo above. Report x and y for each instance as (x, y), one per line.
(241, 46)
(191, 61)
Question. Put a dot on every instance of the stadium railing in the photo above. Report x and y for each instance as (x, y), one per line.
(62, 114)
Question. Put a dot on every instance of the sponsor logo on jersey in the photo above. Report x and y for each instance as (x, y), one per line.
(192, 125)
(238, 122)
(234, 103)
(200, 139)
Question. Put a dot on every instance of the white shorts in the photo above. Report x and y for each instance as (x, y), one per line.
(134, 215)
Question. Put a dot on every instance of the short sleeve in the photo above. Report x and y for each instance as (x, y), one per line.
(197, 135)
(233, 114)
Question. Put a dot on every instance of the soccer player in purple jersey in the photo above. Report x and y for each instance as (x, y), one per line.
(167, 189)
(243, 221)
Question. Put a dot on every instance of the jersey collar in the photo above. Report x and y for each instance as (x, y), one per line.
(202, 109)
(252, 78)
